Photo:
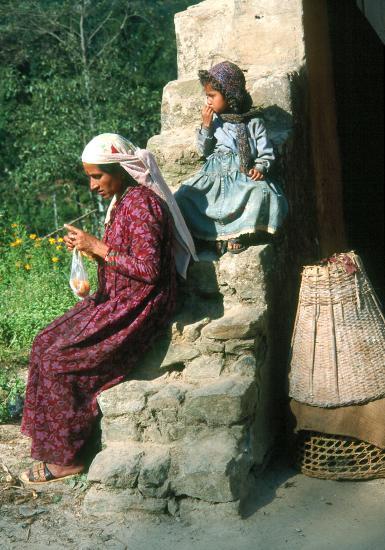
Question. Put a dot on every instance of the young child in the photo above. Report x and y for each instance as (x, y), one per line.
(232, 195)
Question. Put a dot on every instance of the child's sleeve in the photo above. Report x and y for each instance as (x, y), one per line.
(206, 140)
(262, 149)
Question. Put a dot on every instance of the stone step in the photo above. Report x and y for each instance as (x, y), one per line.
(183, 101)
(175, 410)
(258, 36)
(212, 466)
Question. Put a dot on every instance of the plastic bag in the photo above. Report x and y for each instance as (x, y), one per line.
(79, 279)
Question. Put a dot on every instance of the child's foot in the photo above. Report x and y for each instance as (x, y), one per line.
(221, 247)
(235, 246)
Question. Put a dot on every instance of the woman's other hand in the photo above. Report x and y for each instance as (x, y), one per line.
(207, 116)
(84, 242)
(255, 174)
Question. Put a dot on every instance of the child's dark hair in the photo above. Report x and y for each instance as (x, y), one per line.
(237, 105)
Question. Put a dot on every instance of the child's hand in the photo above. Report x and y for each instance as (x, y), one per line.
(255, 174)
(207, 116)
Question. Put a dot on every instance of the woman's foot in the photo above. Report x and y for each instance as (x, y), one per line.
(43, 472)
(235, 246)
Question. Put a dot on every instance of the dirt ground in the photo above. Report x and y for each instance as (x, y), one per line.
(284, 510)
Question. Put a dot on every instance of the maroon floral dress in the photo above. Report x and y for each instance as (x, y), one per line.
(95, 344)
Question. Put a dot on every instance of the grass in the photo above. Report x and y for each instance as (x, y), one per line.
(34, 288)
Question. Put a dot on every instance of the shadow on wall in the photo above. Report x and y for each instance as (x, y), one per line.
(199, 298)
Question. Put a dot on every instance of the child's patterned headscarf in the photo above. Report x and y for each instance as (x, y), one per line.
(232, 84)
(142, 166)
(231, 79)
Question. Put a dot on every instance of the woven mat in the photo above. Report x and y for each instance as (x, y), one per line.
(338, 457)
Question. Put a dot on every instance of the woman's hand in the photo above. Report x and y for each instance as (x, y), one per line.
(207, 116)
(84, 242)
(255, 174)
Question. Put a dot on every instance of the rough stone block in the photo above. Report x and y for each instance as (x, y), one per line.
(210, 468)
(203, 368)
(239, 322)
(220, 403)
(246, 365)
(119, 429)
(207, 346)
(153, 475)
(237, 347)
(128, 397)
(101, 502)
(202, 278)
(182, 102)
(164, 430)
(117, 466)
(193, 331)
(176, 153)
(246, 273)
(168, 397)
(212, 31)
(177, 354)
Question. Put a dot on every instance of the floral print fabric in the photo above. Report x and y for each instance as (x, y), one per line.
(96, 343)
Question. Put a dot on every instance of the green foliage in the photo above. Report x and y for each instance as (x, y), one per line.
(11, 389)
(68, 71)
(34, 284)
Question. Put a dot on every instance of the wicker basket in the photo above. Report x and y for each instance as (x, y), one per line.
(338, 457)
(338, 344)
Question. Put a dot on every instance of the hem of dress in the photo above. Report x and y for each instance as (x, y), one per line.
(267, 228)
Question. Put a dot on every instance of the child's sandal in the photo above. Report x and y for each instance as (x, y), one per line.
(221, 247)
(235, 246)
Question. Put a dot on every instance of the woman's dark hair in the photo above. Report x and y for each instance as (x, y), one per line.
(115, 169)
(236, 105)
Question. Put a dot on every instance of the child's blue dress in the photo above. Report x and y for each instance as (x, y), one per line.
(220, 202)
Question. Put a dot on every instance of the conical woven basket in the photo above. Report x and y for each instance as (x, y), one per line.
(338, 344)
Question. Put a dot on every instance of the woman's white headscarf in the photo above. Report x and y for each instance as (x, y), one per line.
(141, 165)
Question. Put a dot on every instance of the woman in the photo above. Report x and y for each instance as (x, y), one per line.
(95, 344)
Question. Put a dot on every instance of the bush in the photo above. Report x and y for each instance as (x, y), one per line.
(11, 396)
(34, 284)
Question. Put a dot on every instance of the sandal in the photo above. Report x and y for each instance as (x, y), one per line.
(239, 246)
(221, 247)
(39, 474)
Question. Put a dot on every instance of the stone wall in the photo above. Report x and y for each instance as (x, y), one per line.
(202, 409)
(193, 421)
(265, 38)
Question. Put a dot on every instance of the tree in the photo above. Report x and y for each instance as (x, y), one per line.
(70, 70)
